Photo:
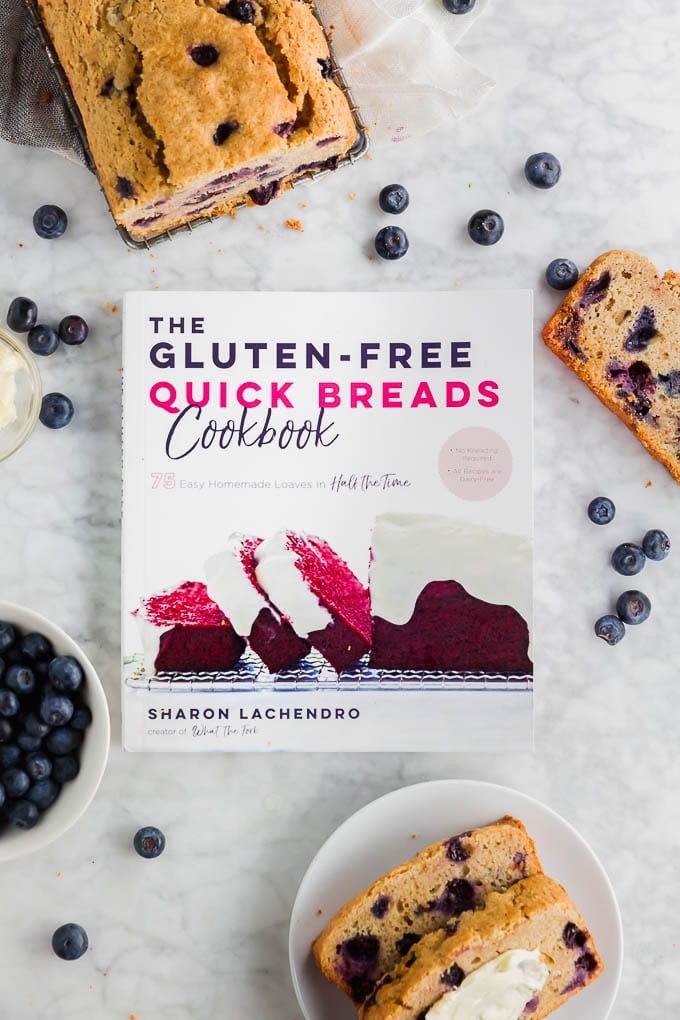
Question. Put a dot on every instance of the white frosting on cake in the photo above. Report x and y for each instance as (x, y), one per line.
(231, 588)
(410, 550)
(10, 364)
(498, 990)
(280, 577)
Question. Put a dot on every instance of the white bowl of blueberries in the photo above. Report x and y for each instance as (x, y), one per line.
(54, 731)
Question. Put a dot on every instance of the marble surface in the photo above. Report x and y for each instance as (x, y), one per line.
(203, 931)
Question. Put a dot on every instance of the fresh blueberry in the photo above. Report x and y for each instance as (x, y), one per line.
(38, 766)
(65, 673)
(391, 243)
(22, 814)
(543, 170)
(6, 731)
(27, 742)
(35, 727)
(633, 607)
(240, 10)
(459, 6)
(8, 636)
(656, 545)
(16, 782)
(49, 222)
(393, 198)
(225, 130)
(65, 768)
(43, 793)
(36, 647)
(70, 942)
(63, 740)
(20, 679)
(601, 510)
(10, 755)
(486, 227)
(9, 703)
(561, 274)
(82, 717)
(43, 340)
(56, 709)
(204, 55)
(628, 559)
(149, 842)
(610, 629)
(22, 314)
(73, 330)
(56, 411)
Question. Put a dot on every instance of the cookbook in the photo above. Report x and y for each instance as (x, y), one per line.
(327, 521)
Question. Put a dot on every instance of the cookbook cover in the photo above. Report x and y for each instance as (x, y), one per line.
(327, 515)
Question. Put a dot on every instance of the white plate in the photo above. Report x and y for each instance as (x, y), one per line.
(381, 835)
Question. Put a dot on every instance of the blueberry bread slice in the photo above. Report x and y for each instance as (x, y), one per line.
(372, 933)
(534, 920)
(619, 330)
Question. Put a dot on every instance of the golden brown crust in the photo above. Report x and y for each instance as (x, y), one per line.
(633, 322)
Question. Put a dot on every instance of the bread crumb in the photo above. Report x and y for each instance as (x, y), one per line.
(114, 308)
(133, 1016)
(319, 912)
(219, 251)
(371, 258)
(352, 195)
(45, 97)
(59, 874)
(295, 225)
(303, 205)
(20, 244)
(414, 835)
(260, 227)
(233, 214)
(367, 156)
(648, 485)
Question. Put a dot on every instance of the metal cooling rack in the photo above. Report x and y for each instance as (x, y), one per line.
(358, 150)
(314, 674)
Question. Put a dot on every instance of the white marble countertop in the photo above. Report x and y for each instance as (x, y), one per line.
(203, 932)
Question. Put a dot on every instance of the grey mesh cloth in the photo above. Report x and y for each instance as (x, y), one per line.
(32, 110)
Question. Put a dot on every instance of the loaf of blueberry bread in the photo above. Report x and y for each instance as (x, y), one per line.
(619, 330)
(369, 936)
(529, 944)
(191, 106)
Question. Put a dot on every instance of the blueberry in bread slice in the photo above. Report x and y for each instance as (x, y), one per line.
(372, 933)
(531, 937)
(619, 330)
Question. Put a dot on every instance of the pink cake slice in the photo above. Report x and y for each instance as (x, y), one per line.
(233, 585)
(184, 631)
(448, 596)
(325, 602)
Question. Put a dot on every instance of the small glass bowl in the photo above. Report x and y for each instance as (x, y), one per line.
(28, 397)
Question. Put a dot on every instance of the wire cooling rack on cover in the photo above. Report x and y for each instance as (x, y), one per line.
(358, 150)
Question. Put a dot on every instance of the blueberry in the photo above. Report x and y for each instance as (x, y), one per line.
(453, 977)
(601, 510)
(16, 782)
(36, 647)
(49, 222)
(393, 198)
(10, 755)
(34, 726)
(38, 766)
(543, 170)
(56, 411)
(326, 67)
(63, 740)
(225, 130)
(125, 187)
(573, 936)
(6, 732)
(391, 243)
(204, 55)
(561, 274)
(8, 636)
(240, 10)
(380, 907)
(656, 545)
(22, 814)
(628, 559)
(73, 330)
(70, 942)
(149, 842)
(43, 340)
(22, 314)
(264, 193)
(9, 703)
(65, 673)
(486, 227)
(43, 793)
(56, 709)
(20, 679)
(610, 629)
(459, 6)
(455, 851)
(65, 768)
(82, 717)
(633, 607)
(27, 742)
